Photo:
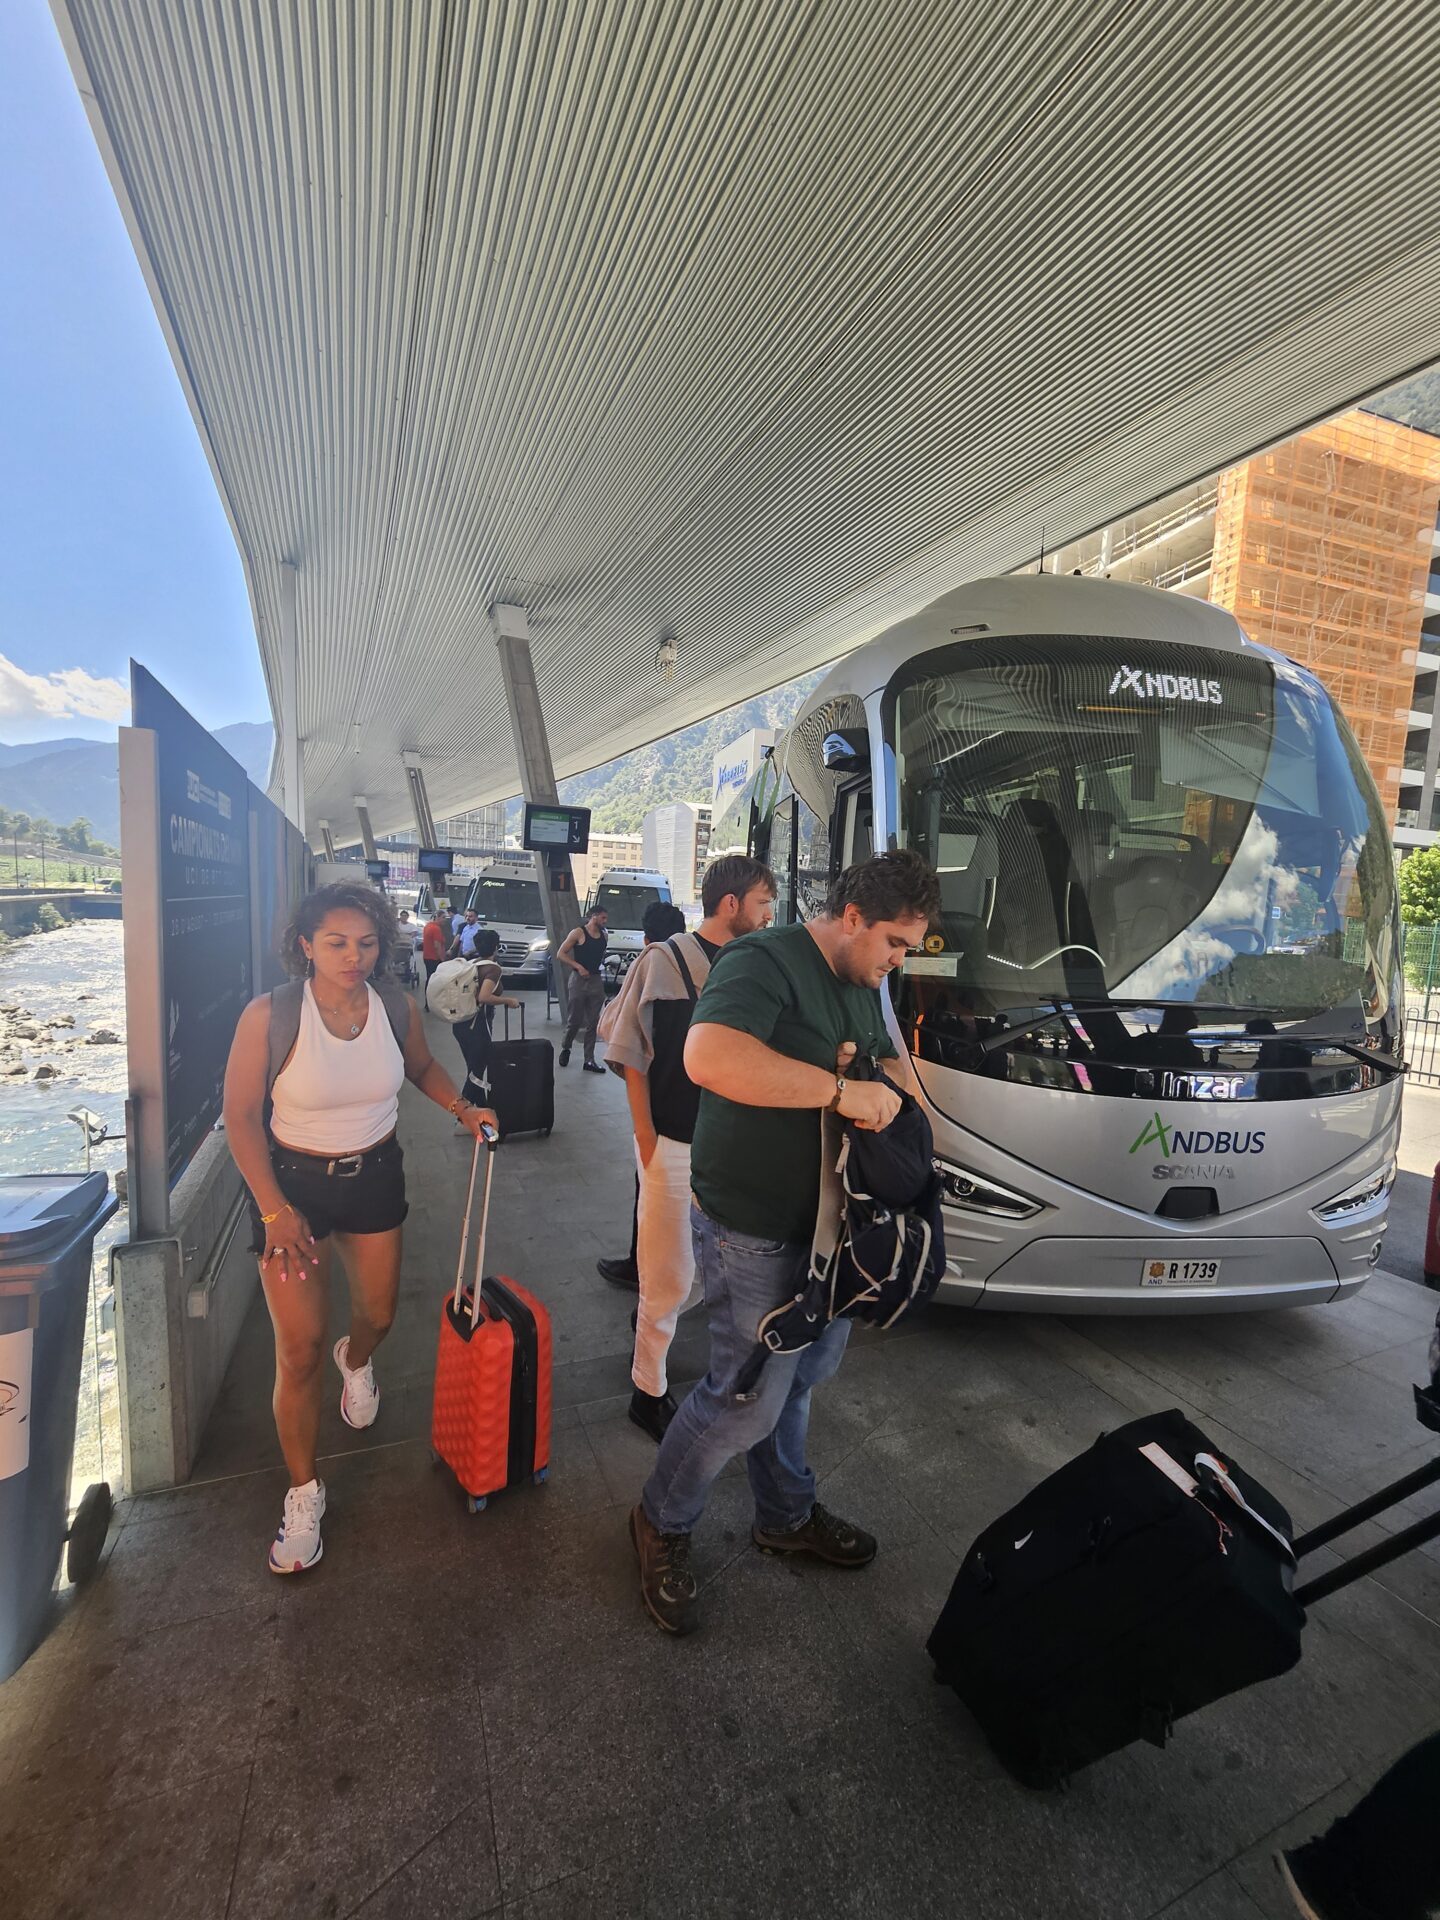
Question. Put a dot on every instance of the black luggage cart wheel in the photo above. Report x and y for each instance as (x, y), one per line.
(86, 1538)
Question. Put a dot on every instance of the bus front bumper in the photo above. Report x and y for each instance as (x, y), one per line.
(1079, 1274)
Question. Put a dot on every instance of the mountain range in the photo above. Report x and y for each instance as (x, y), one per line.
(62, 780)
(65, 780)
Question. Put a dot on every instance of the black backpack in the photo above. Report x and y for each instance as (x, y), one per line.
(889, 1253)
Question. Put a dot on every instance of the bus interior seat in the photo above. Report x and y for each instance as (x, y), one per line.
(1036, 870)
(968, 864)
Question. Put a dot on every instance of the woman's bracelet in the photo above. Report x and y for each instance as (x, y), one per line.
(456, 1104)
(269, 1219)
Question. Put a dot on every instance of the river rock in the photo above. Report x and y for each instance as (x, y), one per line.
(13, 1069)
(62, 1020)
(24, 1031)
(47, 1072)
(102, 1037)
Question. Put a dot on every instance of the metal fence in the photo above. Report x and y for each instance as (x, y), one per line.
(1422, 1003)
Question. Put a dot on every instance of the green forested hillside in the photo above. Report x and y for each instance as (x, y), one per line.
(622, 792)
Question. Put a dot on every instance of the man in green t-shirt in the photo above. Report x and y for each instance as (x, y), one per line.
(782, 1015)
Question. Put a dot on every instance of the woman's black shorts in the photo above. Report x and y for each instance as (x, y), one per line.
(335, 1194)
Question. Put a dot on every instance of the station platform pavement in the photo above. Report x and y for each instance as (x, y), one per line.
(458, 1715)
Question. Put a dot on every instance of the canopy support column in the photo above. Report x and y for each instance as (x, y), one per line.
(292, 771)
(327, 839)
(367, 832)
(419, 799)
(537, 776)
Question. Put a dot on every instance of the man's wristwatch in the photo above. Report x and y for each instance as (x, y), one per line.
(839, 1094)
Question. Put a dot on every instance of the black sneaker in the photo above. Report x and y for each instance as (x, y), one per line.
(667, 1585)
(1317, 1893)
(593, 1066)
(825, 1537)
(620, 1273)
(564, 1056)
(653, 1412)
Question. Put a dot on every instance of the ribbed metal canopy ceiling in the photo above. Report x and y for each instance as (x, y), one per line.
(758, 324)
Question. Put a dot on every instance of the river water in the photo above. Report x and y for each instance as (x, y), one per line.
(79, 971)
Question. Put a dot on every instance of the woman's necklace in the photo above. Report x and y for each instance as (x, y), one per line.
(338, 1013)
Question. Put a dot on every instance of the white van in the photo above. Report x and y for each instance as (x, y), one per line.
(508, 899)
(623, 894)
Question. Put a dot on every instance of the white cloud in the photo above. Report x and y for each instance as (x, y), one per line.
(70, 694)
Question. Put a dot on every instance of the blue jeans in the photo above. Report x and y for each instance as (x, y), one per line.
(743, 1279)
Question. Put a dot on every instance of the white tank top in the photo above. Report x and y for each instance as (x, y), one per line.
(338, 1096)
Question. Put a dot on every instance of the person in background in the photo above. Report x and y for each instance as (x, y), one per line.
(659, 920)
(644, 1032)
(462, 947)
(434, 939)
(582, 951)
(475, 1035)
(327, 1170)
(1380, 1861)
(783, 1014)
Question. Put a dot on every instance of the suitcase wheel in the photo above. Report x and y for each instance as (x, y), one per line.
(542, 1474)
(476, 1504)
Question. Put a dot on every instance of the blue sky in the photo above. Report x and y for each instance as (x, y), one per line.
(112, 538)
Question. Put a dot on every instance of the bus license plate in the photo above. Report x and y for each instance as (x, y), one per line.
(1179, 1273)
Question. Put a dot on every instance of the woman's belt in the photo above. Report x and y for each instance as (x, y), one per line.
(343, 1166)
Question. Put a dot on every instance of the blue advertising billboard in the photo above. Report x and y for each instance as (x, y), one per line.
(204, 832)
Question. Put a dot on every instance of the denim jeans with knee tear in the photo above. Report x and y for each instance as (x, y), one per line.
(743, 1279)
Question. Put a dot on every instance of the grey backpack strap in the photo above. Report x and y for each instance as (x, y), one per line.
(285, 1003)
(396, 1002)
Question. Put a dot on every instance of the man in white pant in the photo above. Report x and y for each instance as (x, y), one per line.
(644, 1033)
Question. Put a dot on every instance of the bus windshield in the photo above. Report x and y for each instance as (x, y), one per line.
(625, 906)
(1139, 823)
(507, 902)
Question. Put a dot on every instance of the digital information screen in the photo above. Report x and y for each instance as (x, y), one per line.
(377, 869)
(435, 860)
(556, 829)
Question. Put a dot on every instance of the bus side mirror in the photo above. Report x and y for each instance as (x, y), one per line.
(847, 750)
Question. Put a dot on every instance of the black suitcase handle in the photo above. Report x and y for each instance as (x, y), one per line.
(1373, 1558)
(522, 1021)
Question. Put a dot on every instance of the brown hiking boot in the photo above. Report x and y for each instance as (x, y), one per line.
(667, 1585)
(824, 1536)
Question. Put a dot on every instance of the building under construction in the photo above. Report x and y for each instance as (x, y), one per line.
(1323, 549)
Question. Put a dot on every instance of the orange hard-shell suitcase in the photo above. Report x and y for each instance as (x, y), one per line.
(491, 1420)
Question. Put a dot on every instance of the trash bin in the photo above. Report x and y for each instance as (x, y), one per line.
(48, 1223)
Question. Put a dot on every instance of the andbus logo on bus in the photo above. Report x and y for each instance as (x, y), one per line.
(1174, 1141)
(1166, 686)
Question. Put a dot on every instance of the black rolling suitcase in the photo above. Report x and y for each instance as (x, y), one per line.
(521, 1075)
(1140, 1582)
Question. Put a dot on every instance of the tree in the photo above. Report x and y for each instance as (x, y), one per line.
(1419, 885)
(76, 837)
(20, 826)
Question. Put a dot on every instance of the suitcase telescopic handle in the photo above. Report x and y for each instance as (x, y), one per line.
(522, 1021)
(491, 1140)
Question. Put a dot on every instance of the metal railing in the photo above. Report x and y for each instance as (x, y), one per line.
(1422, 1003)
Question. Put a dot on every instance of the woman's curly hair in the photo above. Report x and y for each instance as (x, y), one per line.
(357, 898)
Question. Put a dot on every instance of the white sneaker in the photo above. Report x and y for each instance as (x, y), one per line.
(298, 1544)
(359, 1397)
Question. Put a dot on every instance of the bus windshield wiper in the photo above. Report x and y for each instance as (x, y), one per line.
(1057, 1010)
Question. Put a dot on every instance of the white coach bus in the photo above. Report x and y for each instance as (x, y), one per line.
(1159, 1020)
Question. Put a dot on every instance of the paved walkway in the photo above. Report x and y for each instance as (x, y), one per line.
(457, 1716)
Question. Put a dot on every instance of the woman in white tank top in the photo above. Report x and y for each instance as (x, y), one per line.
(328, 1170)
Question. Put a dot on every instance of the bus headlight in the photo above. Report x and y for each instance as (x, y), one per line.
(976, 1193)
(1363, 1194)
